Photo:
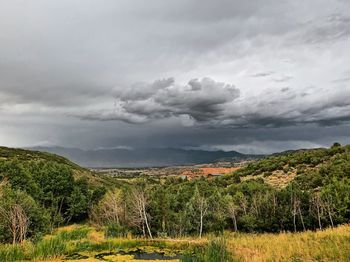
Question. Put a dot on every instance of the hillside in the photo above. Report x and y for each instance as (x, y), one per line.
(32, 156)
(144, 157)
(304, 167)
(7, 153)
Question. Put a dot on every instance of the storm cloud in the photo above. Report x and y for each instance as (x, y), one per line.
(187, 73)
(201, 100)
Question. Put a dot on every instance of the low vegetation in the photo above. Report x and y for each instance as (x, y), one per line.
(75, 242)
(322, 245)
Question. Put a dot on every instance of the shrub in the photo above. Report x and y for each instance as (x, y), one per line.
(115, 230)
(215, 251)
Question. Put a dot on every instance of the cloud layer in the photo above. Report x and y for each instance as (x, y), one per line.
(72, 71)
(200, 100)
(209, 103)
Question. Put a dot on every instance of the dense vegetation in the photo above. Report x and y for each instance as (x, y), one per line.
(318, 197)
(40, 192)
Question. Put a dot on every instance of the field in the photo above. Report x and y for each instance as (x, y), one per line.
(189, 172)
(83, 243)
(326, 245)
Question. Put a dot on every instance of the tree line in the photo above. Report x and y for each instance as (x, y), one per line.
(318, 197)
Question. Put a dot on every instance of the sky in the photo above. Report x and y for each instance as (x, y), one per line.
(253, 76)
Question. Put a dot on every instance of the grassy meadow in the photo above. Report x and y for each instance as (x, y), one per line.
(323, 245)
(83, 243)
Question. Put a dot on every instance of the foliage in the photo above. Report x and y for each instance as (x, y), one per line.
(44, 186)
(37, 216)
(317, 197)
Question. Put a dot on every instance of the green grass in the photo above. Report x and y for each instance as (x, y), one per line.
(9, 253)
(215, 251)
(50, 248)
(75, 234)
(59, 244)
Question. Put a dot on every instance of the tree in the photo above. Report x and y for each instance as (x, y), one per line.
(233, 208)
(200, 205)
(318, 207)
(110, 210)
(139, 204)
(16, 220)
(20, 216)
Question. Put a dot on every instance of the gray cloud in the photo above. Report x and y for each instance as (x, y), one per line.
(263, 74)
(336, 26)
(202, 100)
(283, 79)
(272, 67)
(215, 104)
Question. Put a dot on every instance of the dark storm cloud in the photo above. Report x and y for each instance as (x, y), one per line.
(201, 100)
(214, 104)
(271, 65)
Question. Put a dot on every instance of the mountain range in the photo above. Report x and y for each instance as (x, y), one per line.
(143, 157)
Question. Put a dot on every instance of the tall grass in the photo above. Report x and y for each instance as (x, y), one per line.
(53, 247)
(115, 230)
(58, 245)
(215, 251)
(325, 245)
(9, 253)
(75, 234)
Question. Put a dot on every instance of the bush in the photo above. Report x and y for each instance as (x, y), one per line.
(115, 230)
(215, 251)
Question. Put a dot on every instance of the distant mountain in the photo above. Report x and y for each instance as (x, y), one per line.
(142, 157)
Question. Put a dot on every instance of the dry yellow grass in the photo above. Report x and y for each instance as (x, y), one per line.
(96, 236)
(279, 179)
(327, 245)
